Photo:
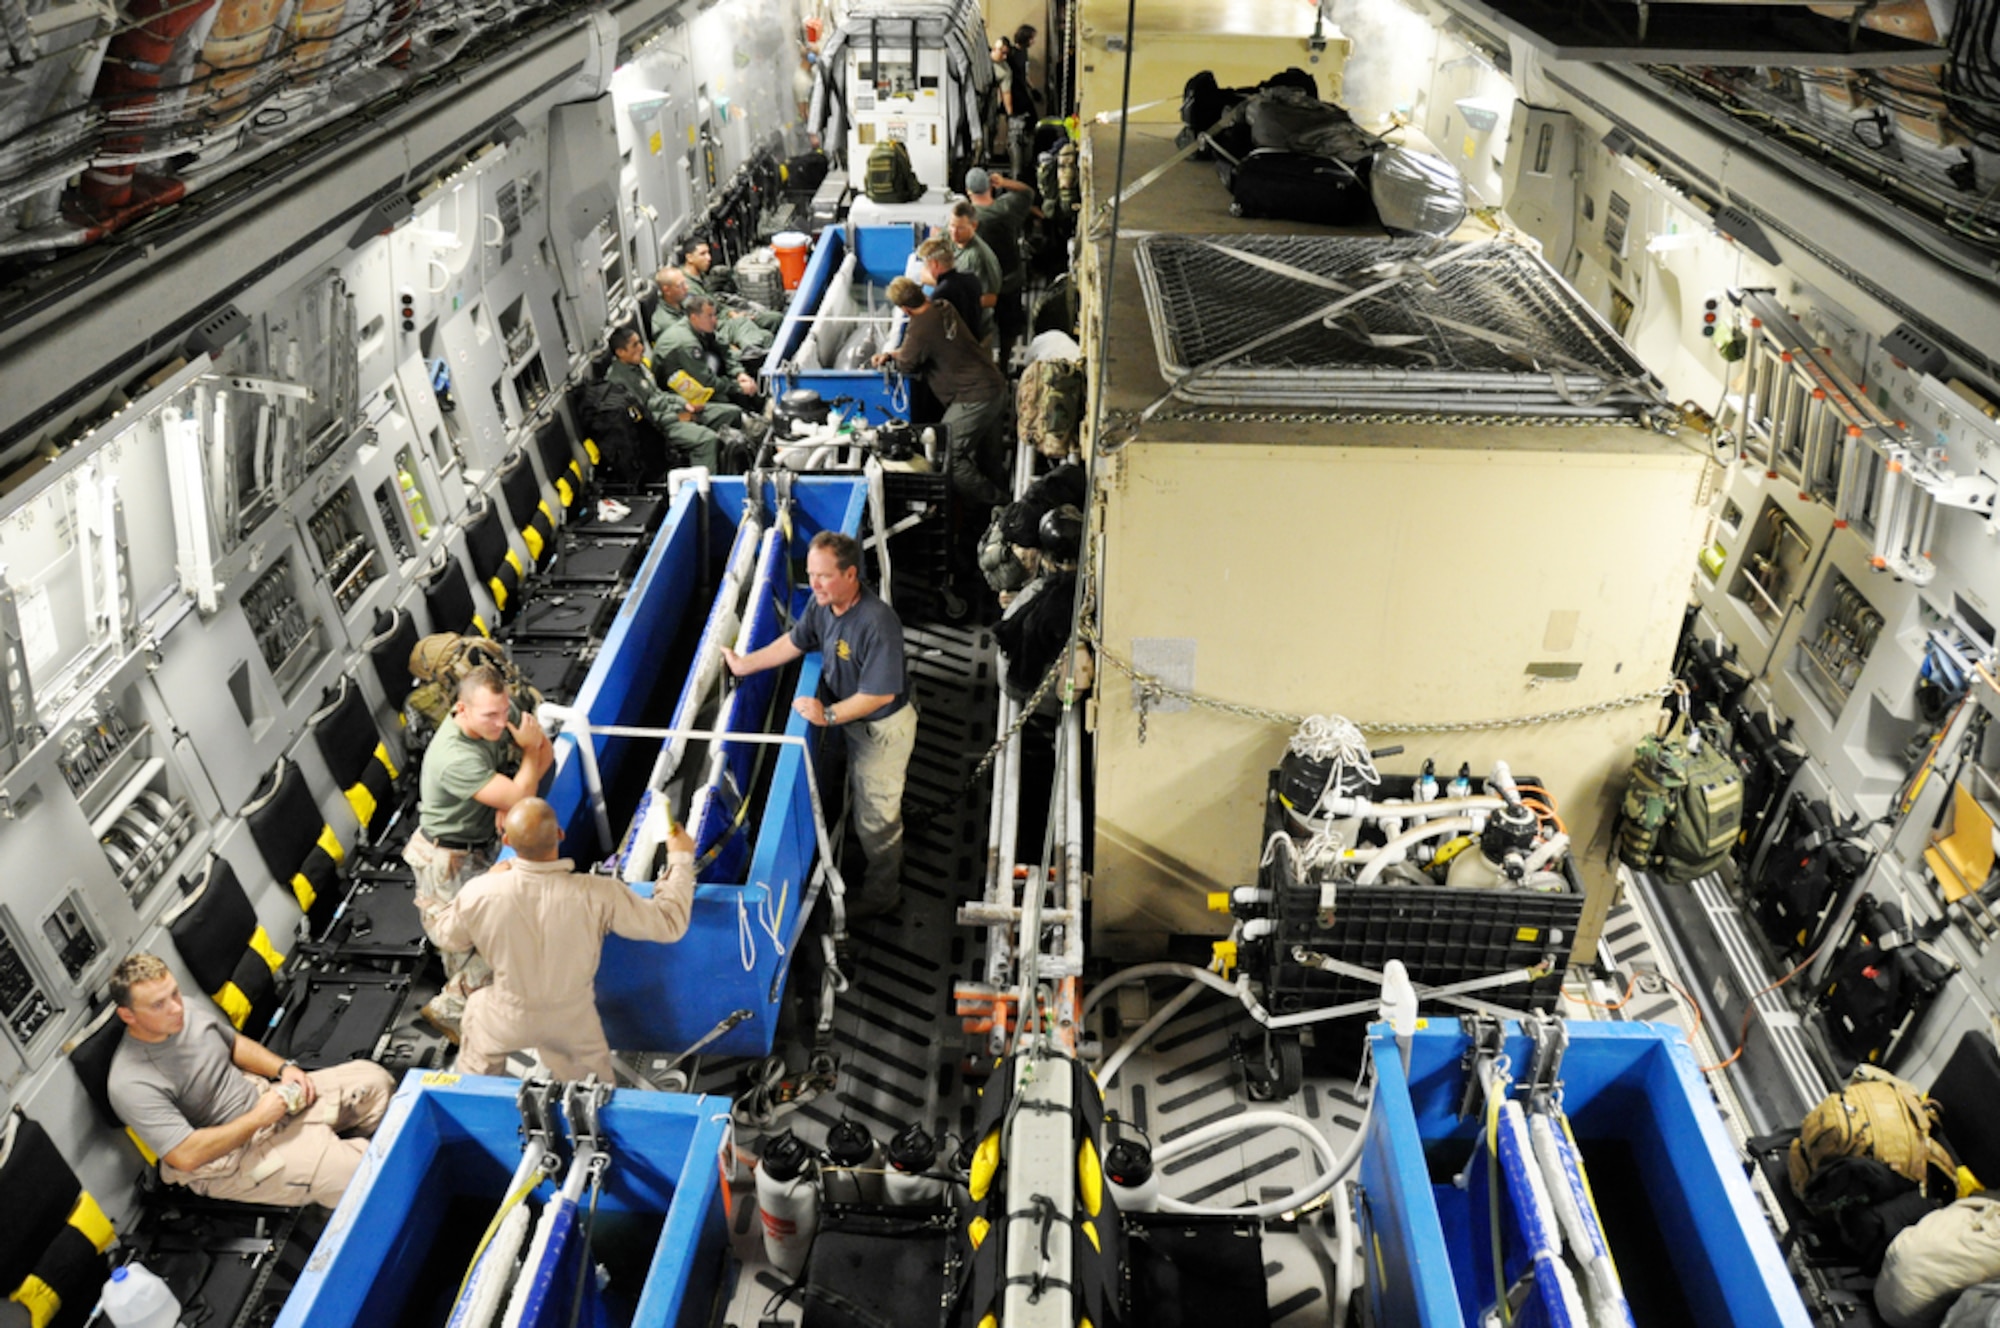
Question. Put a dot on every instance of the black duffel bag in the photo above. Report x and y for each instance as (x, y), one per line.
(1204, 102)
(1291, 186)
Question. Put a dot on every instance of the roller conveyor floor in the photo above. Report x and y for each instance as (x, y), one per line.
(895, 1034)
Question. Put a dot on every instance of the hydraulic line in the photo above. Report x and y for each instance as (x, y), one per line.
(1146, 1030)
(1337, 1167)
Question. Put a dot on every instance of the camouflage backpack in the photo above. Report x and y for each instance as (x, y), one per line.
(439, 661)
(891, 178)
(1049, 405)
(1683, 803)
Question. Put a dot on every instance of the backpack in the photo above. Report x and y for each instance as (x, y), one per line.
(1878, 1117)
(612, 420)
(1285, 119)
(1204, 102)
(1930, 1265)
(1813, 860)
(1069, 178)
(439, 661)
(1682, 807)
(1883, 977)
(1003, 571)
(891, 178)
(1049, 405)
(1048, 184)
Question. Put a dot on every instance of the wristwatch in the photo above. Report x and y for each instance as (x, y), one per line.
(288, 1065)
(831, 718)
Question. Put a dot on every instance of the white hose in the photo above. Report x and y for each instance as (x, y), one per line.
(1346, 1241)
(1398, 848)
(1146, 1030)
(1162, 969)
(1553, 845)
(1340, 809)
(1336, 1170)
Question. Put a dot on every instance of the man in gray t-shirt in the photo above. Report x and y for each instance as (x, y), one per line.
(226, 1116)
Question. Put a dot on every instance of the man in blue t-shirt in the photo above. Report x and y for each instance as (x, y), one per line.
(864, 693)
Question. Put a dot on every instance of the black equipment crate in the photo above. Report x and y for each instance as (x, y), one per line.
(643, 515)
(586, 559)
(555, 669)
(920, 557)
(1442, 933)
(570, 614)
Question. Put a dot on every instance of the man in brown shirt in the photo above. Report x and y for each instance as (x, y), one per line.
(940, 349)
(542, 927)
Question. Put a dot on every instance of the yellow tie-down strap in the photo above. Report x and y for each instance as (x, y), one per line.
(499, 599)
(533, 539)
(590, 450)
(382, 755)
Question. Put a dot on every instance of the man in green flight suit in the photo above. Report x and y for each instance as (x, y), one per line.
(743, 325)
(692, 359)
(683, 423)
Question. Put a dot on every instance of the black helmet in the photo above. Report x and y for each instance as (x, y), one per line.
(1062, 533)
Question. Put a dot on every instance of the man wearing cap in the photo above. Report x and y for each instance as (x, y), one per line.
(973, 256)
(1003, 207)
(863, 694)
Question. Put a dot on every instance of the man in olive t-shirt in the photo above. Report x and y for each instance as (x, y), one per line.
(465, 790)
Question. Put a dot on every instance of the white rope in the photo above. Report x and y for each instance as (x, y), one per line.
(1335, 738)
(746, 939)
(767, 918)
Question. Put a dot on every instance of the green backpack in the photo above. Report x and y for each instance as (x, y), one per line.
(891, 178)
(1683, 809)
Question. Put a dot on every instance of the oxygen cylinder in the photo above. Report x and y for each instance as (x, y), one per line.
(912, 1160)
(788, 1202)
(854, 1164)
(1129, 1168)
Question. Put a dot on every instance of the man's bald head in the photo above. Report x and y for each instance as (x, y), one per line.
(532, 831)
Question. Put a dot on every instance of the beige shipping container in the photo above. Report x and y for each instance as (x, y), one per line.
(1392, 569)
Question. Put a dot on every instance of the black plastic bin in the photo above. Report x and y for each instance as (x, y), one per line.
(1441, 933)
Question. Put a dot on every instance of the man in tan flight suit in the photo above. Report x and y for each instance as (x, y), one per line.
(542, 926)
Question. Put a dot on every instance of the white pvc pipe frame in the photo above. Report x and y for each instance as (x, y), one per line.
(578, 726)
